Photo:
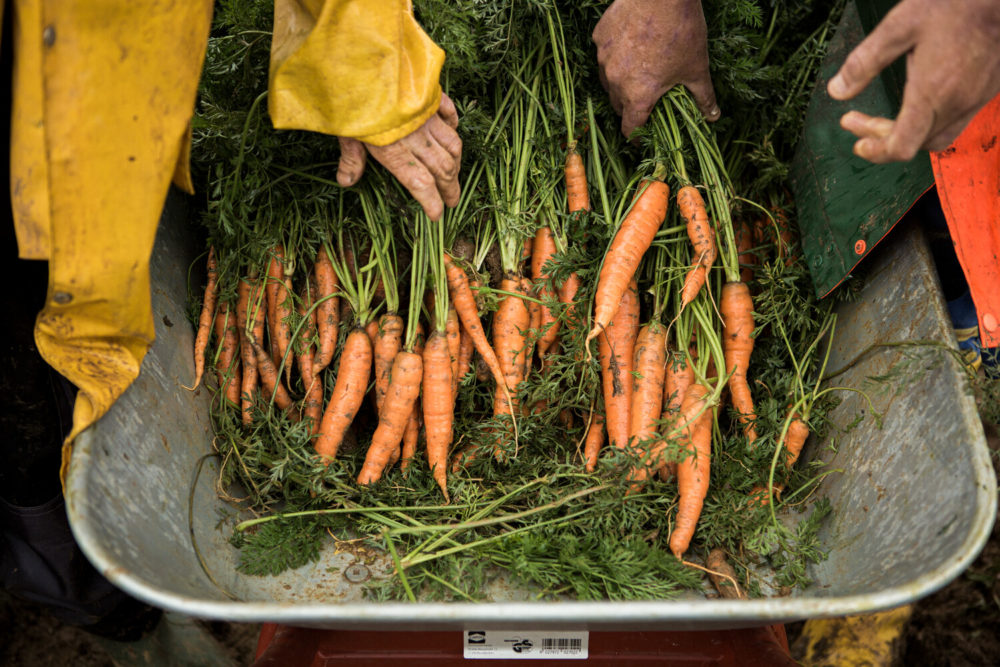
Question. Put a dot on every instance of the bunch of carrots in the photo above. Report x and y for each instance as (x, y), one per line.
(365, 327)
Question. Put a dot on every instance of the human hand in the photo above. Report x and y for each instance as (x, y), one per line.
(952, 71)
(645, 48)
(426, 161)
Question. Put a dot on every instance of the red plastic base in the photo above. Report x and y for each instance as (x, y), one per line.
(285, 646)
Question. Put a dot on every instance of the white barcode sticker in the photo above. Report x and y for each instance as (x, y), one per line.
(507, 644)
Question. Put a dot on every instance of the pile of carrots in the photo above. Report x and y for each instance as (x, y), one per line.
(380, 326)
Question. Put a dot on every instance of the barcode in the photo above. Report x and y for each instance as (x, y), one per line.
(561, 644)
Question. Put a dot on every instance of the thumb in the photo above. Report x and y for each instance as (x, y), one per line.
(704, 96)
(352, 161)
(890, 39)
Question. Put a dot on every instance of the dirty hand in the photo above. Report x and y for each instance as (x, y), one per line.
(426, 161)
(645, 48)
(952, 71)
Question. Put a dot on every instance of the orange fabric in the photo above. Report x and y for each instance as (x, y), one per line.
(968, 182)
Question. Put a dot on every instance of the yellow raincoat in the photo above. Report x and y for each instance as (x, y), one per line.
(104, 91)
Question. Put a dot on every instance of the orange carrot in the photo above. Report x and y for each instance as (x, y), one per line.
(283, 323)
(647, 398)
(247, 354)
(465, 304)
(353, 371)
(205, 319)
(312, 404)
(736, 308)
(438, 407)
(269, 378)
(629, 245)
(744, 244)
(534, 322)
(372, 330)
(453, 333)
(465, 350)
(693, 471)
(702, 237)
(615, 349)
(387, 344)
(275, 277)
(404, 387)
(543, 249)
(227, 365)
(307, 335)
(593, 442)
(678, 376)
(509, 324)
(567, 296)
(795, 438)
(577, 196)
(411, 434)
(328, 310)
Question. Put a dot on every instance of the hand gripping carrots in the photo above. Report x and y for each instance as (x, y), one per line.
(626, 251)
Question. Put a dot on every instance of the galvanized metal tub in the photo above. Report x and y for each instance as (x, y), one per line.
(912, 508)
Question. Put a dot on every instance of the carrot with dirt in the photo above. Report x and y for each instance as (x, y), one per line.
(327, 309)
(678, 376)
(465, 350)
(250, 322)
(411, 435)
(312, 404)
(510, 323)
(593, 441)
(736, 307)
(205, 318)
(453, 332)
(355, 365)
(615, 353)
(386, 333)
(693, 471)
(648, 375)
(437, 398)
(736, 304)
(406, 375)
(692, 208)
(647, 397)
(461, 296)
(275, 278)
(227, 363)
(543, 249)
(744, 246)
(269, 379)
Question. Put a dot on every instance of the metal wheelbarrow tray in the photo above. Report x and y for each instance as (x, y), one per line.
(912, 507)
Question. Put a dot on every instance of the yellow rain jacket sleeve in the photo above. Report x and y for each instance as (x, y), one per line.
(352, 68)
(104, 91)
